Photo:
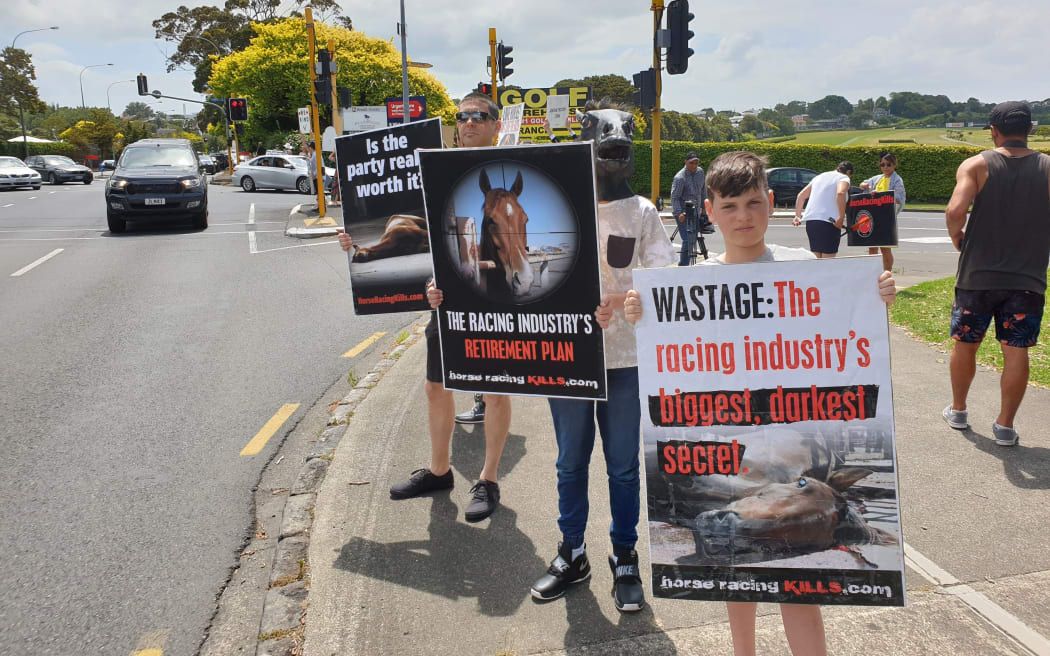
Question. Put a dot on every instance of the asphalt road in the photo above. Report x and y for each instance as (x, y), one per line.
(925, 251)
(135, 370)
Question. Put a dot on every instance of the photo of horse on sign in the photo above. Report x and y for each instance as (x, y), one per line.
(510, 232)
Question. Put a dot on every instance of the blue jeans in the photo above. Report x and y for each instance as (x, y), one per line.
(687, 230)
(618, 422)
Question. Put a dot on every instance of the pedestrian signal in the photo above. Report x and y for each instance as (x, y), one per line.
(238, 109)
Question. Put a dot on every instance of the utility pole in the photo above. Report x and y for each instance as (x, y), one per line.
(315, 124)
(406, 115)
(493, 64)
(658, 14)
(337, 120)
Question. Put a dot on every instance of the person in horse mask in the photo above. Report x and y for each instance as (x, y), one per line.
(477, 124)
(630, 236)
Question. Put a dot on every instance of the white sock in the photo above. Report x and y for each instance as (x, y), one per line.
(578, 551)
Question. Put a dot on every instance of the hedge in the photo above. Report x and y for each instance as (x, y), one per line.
(17, 148)
(928, 171)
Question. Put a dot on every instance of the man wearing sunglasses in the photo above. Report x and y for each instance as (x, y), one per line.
(477, 124)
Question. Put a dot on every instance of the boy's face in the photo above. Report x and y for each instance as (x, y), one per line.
(742, 220)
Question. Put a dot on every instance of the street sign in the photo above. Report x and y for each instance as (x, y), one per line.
(417, 109)
(304, 120)
(364, 117)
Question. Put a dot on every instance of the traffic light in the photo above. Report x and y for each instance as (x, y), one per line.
(143, 85)
(344, 97)
(238, 109)
(645, 85)
(503, 61)
(323, 90)
(485, 88)
(678, 51)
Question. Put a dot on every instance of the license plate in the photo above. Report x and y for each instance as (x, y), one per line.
(154, 201)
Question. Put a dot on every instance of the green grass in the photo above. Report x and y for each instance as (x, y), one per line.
(925, 311)
(940, 207)
(928, 136)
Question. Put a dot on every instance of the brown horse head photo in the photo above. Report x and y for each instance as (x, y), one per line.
(504, 239)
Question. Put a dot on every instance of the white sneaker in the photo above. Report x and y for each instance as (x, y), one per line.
(1004, 436)
(955, 418)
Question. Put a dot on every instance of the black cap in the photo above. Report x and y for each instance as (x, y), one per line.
(1011, 117)
(691, 155)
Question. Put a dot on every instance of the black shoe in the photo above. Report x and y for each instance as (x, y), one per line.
(708, 228)
(475, 415)
(627, 581)
(561, 574)
(420, 482)
(484, 500)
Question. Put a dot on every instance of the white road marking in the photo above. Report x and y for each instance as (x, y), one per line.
(9, 205)
(50, 192)
(193, 236)
(31, 198)
(252, 247)
(284, 248)
(28, 267)
(928, 240)
(978, 602)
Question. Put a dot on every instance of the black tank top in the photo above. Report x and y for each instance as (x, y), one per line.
(1008, 234)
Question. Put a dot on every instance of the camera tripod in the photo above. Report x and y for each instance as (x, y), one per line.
(699, 245)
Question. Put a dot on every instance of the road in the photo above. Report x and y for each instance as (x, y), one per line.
(925, 251)
(136, 369)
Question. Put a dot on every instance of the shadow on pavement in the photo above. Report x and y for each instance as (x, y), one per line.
(589, 626)
(468, 451)
(1026, 467)
(457, 561)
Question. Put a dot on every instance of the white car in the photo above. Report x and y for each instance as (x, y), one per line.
(274, 172)
(14, 173)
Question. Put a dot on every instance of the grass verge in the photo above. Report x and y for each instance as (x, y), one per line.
(924, 310)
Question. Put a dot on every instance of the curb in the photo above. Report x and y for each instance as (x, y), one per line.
(298, 228)
(283, 619)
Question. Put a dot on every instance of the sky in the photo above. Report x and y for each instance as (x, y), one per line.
(748, 54)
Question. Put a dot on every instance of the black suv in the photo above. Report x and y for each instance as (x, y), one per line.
(787, 182)
(157, 178)
(57, 169)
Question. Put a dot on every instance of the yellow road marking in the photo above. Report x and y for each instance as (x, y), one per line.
(363, 345)
(316, 223)
(151, 644)
(263, 436)
(148, 652)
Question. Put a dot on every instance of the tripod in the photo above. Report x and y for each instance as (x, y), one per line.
(693, 222)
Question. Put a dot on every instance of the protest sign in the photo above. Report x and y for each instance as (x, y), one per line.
(510, 125)
(767, 429)
(558, 111)
(871, 219)
(535, 101)
(513, 235)
(383, 213)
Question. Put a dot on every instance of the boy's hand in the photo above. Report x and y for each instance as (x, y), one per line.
(434, 295)
(604, 312)
(345, 242)
(797, 221)
(632, 306)
(887, 288)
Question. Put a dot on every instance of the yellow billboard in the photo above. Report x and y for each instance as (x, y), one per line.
(535, 101)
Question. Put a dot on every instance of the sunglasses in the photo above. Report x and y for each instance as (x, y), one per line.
(884, 165)
(480, 117)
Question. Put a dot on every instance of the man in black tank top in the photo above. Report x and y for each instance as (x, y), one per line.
(1004, 249)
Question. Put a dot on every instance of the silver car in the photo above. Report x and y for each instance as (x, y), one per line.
(273, 172)
(14, 173)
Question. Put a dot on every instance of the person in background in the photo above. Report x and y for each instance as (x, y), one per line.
(888, 181)
(688, 185)
(260, 150)
(826, 212)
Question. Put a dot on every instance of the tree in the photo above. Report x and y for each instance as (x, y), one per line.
(206, 33)
(793, 108)
(615, 87)
(274, 74)
(138, 110)
(16, 83)
(882, 103)
(860, 117)
(830, 106)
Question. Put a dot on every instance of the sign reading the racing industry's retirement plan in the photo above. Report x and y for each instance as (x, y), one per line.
(767, 429)
(383, 212)
(513, 235)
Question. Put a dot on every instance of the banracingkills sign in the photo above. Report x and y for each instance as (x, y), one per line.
(767, 429)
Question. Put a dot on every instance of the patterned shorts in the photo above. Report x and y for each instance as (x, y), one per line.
(1018, 315)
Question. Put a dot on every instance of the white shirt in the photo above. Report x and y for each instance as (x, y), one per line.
(822, 205)
(632, 230)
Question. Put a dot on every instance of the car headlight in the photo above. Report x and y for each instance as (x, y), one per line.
(190, 183)
(118, 183)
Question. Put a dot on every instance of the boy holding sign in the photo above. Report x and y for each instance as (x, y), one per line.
(740, 202)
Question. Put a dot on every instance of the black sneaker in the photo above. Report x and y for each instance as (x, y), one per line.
(627, 581)
(420, 482)
(561, 574)
(475, 415)
(484, 500)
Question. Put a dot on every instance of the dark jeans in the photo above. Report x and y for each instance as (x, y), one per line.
(618, 422)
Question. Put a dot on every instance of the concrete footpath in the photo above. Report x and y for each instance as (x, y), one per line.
(412, 577)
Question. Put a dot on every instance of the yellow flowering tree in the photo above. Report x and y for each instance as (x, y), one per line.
(274, 74)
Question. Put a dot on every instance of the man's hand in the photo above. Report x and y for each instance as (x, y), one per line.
(887, 288)
(681, 217)
(604, 312)
(632, 306)
(345, 242)
(957, 239)
(434, 295)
